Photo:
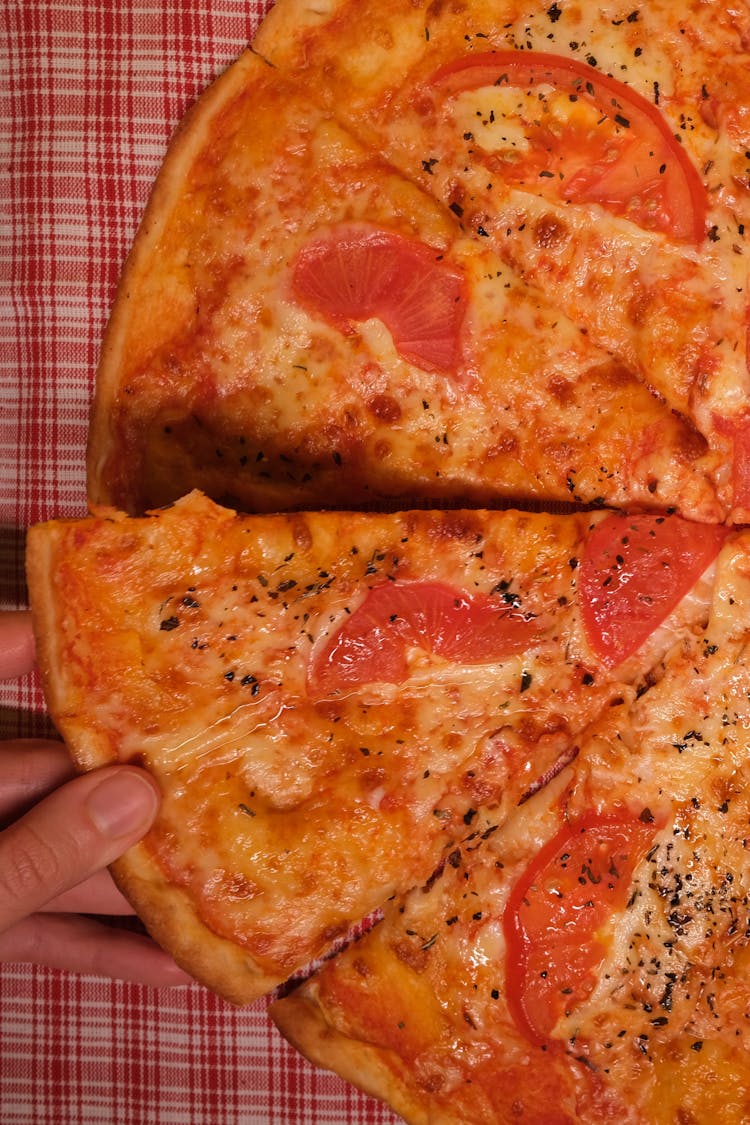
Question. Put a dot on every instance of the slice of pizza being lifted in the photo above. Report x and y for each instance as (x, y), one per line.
(331, 702)
(309, 320)
(588, 962)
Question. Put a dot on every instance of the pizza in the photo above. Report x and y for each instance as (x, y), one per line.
(590, 962)
(415, 572)
(353, 288)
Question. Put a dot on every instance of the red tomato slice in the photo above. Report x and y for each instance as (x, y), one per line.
(371, 645)
(634, 571)
(624, 156)
(357, 271)
(555, 913)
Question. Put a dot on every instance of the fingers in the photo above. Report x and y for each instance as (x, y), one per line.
(82, 945)
(30, 768)
(54, 854)
(96, 895)
(16, 644)
(80, 828)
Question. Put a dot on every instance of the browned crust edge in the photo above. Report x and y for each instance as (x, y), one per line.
(301, 1020)
(171, 920)
(189, 137)
(44, 615)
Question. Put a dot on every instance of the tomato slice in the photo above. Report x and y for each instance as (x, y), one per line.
(590, 139)
(555, 913)
(357, 271)
(371, 646)
(634, 571)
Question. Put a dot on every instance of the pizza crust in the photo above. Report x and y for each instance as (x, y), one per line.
(302, 1022)
(188, 140)
(170, 917)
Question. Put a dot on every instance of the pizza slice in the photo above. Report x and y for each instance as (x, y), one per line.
(301, 325)
(602, 154)
(330, 702)
(588, 962)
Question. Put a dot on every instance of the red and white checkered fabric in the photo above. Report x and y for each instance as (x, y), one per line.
(90, 91)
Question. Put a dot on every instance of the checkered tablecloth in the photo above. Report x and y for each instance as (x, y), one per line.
(90, 91)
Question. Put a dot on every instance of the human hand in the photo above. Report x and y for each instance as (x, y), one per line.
(59, 833)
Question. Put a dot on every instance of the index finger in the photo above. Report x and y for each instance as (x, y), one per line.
(17, 650)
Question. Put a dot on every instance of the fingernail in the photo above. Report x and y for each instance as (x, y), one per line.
(122, 804)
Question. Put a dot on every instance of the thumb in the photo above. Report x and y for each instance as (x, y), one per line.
(78, 829)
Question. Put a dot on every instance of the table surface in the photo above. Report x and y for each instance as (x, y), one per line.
(90, 92)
